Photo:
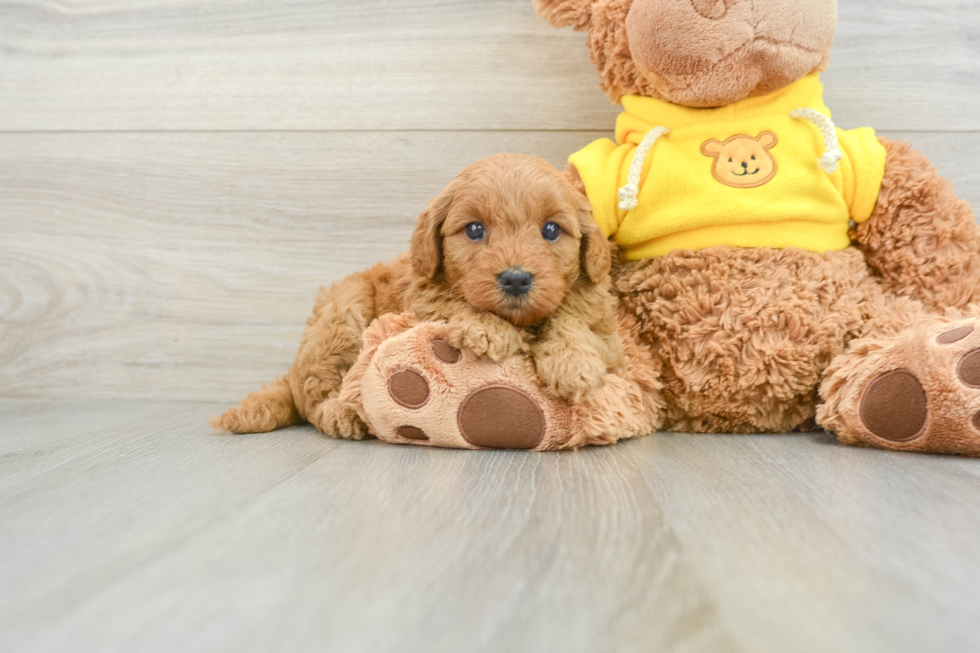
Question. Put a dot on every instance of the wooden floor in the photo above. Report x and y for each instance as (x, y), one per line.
(177, 178)
(129, 526)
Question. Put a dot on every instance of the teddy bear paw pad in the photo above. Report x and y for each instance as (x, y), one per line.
(411, 433)
(894, 406)
(969, 369)
(408, 388)
(954, 335)
(445, 352)
(501, 417)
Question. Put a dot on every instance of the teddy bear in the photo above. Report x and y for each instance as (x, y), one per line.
(781, 273)
(785, 273)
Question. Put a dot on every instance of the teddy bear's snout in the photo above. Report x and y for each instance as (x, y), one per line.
(706, 53)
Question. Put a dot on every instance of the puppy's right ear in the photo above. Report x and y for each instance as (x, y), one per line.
(565, 13)
(595, 254)
(426, 248)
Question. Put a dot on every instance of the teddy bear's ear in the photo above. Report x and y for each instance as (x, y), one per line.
(565, 13)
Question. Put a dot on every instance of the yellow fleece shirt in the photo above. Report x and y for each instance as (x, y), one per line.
(745, 175)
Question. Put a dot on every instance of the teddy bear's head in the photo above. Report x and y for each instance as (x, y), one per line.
(700, 53)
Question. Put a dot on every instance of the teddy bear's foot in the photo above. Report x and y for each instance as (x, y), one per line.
(413, 387)
(918, 391)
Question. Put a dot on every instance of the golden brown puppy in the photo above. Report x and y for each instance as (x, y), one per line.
(508, 254)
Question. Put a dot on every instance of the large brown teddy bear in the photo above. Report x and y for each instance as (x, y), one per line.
(783, 271)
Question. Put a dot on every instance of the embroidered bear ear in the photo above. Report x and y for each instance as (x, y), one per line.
(565, 13)
(767, 139)
(711, 147)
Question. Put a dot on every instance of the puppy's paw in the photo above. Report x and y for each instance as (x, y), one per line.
(338, 420)
(569, 370)
(488, 335)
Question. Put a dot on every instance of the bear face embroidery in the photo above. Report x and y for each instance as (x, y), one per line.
(742, 161)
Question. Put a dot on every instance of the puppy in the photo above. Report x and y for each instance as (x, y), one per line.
(508, 255)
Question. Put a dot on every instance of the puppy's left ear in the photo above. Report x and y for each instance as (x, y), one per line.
(426, 248)
(596, 255)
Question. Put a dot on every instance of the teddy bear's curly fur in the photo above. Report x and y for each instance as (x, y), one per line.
(752, 339)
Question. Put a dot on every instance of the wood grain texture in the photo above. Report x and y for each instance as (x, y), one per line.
(184, 266)
(394, 65)
(128, 526)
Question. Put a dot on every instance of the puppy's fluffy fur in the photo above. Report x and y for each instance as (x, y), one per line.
(566, 321)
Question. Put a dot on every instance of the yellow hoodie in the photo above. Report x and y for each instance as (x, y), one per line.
(747, 175)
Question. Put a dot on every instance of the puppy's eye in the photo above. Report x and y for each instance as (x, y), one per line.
(753, 157)
(550, 231)
(729, 160)
(475, 231)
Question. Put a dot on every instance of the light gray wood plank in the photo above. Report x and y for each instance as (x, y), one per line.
(814, 546)
(154, 535)
(176, 539)
(386, 64)
(305, 64)
(906, 65)
(183, 266)
(71, 509)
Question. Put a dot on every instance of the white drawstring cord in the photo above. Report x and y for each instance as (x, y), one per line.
(832, 154)
(629, 192)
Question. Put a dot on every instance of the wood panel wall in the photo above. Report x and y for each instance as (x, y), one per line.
(177, 177)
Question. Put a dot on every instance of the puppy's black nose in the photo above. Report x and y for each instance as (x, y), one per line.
(745, 164)
(515, 281)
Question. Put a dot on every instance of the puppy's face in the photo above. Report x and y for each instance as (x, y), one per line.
(512, 236)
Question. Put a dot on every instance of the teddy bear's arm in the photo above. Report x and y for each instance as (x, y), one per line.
(921, 238)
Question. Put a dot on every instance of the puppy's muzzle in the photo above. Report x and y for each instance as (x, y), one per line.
(515, 281)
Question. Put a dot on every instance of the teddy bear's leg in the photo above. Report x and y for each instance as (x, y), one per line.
(413, 387)
(915, 389)
(921, 238)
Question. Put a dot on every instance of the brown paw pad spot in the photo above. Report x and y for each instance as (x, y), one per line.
(445, 352)
(408, 388)
(954, 335)
(969, 368)
(411, 432)
(501, 417)
(894, 406)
